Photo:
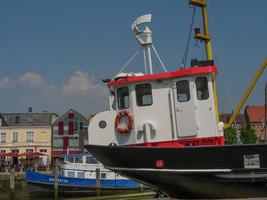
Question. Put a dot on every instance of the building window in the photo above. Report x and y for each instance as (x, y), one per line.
(144, 94)
(17, 120)
(29, 136)
(81, 126)
(123, 98)
(202, 88)
(3, 138)
(183, 92)
(73, 142)
(30, 119)
(80, 175)
(58, 142)
(15, 137)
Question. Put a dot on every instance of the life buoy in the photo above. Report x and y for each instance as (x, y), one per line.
(120, 127)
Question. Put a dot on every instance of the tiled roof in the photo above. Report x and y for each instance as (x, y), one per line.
(255, 113)
(28, 119)
(61, 118)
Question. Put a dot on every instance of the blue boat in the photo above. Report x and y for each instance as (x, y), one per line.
(78, 172)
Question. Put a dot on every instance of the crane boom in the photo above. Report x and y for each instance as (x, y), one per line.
(244, 98)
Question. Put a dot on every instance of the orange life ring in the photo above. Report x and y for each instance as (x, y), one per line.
(119, 126)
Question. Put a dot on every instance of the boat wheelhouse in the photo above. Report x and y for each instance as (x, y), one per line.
(167, 109)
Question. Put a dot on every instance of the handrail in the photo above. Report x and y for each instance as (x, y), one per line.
(244, 98)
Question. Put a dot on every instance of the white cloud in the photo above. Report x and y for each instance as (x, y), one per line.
(80, 84)
(80, 92)
(5, 82)
(31, 80)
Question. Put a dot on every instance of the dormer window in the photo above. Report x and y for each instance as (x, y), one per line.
(202, 88)
(17, 120)
(123, 98)
(30, 119)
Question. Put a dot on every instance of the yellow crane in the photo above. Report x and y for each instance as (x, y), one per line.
(206, 38)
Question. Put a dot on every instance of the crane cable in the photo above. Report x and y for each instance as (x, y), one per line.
(188, 39)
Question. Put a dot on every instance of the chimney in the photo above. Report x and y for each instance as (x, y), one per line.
(30, 109)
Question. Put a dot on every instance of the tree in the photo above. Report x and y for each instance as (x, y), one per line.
(230, 136)
(248, 135)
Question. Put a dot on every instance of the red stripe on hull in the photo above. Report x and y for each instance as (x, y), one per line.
(186, 142)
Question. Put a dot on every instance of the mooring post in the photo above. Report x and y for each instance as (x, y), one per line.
(141, 187)
(97, 177)
(56, 180)
(12, 179)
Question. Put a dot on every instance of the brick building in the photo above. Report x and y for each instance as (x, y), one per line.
(255, 116)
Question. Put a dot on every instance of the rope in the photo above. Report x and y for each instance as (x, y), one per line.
(159, 58)
(188, 39)
(126, 64)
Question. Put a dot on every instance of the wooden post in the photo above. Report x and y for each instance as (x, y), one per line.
(141, 187)
(56, 180)
(12, 179)
(97, 177)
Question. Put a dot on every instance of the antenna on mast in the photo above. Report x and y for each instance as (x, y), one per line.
(144, 38)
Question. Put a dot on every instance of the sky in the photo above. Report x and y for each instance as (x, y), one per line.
(54, 53)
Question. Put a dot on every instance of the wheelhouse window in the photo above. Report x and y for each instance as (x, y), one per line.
(123, 98)
(80, 174)
(103, 175)
(144, 94)
(183, 92)
(91, 160)
(71, 174)
(202, 88)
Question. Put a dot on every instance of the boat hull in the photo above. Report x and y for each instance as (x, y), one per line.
(229, 171)
(77, 184)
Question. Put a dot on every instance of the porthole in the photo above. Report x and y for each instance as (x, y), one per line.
(102, 124)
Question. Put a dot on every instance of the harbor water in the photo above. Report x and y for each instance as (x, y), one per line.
(25, 192)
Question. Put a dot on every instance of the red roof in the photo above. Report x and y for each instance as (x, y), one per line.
(255, 113)
(166, 75)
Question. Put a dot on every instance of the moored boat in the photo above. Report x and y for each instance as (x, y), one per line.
(163, 129)
(78, 172)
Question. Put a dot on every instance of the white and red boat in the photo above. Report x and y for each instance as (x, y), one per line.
(163, 129)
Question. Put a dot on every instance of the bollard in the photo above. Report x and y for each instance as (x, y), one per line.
(12, 179)
(56, 180)
(97, 178)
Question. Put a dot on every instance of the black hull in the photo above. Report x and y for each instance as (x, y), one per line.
(234, 171)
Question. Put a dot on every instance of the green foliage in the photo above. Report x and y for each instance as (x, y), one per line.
(230, 136)
(248, 135)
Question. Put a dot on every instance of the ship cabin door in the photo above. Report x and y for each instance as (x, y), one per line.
(184, 106)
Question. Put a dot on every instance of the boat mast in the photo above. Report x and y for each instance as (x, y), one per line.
(206, 38)
(144, 38)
